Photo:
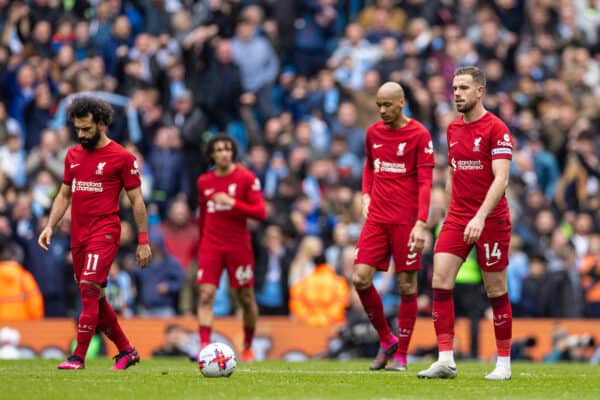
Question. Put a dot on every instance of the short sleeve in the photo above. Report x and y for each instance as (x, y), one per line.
(130, 172)
(67, 177)
(502, 142)
(425, 156)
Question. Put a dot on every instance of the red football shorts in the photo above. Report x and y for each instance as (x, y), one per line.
(492, 246)
(239, 264)
(92, 261)
(378, 242)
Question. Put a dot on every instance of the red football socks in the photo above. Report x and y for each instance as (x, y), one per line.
(443, 318)
(88, 319)
(204, 333)
(248, 336)
(373, 306)
(407, 315)
(109, 325)
(502, 324)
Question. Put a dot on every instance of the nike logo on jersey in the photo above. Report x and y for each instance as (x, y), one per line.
(489, 264)
(452, 144)
(412, 258)
(376, 146)
(86, 273)
(73, 165)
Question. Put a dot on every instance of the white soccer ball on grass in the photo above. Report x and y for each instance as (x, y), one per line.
(217, 360)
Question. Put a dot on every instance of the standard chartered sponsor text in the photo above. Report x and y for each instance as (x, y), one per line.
(470, 164)
(82, 186)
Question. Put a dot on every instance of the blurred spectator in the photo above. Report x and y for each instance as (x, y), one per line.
(258, 66)
(119, 291)
(516, 273)
(301, 266)
(320, 298)
(314, 30)
(46, 155)
(168, 167)
(566, 347)
(20, 297)
(12, 159)
(353, 57)
(180, 233)
(50, 270)
(160, 281)
(272, 267)
(178, 342)
(590, 277)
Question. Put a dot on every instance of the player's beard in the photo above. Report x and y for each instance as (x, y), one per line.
(90, 143)
(466, 106)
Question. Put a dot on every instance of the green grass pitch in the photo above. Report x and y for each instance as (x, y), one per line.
(165, 379)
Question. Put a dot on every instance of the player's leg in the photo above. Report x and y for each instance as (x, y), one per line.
(206, 299)
(372, 251)
(210, 267)
(450, 252)
(245, 296)
(109, 325)
(240, 269)
(492, 254)
(86, 325)
(407, 315)
(102, 254)
(407, 263)
(77, 359)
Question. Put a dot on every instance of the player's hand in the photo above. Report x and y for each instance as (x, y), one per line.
(223, 199)
(474, 229)
(45, 238)
(143, 254)
(418, 234)
(366, 200)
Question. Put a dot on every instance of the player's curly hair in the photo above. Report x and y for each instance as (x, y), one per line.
(221, 137)
(83, 106)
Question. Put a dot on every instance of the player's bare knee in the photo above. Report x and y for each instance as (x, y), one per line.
(442, 281)
(206, 297)
(246, 298)
(493, 291)
(406, 288)
(361, 280)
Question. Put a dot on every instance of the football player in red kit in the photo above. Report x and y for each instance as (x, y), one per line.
(228, 195)
(96, 171)
(479, 154)
(396, 193)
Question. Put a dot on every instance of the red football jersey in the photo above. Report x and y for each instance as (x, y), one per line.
(225, 226)
(96, 178)
(471, 149)
(390, 174)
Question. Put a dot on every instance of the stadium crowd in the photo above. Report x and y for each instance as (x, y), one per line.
(294, 82)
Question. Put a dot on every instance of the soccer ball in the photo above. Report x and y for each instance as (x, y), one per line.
(217, 360)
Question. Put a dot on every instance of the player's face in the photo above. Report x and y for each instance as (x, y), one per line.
(88, 132)
(466, 93)
(222, 154)
(390, 109)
